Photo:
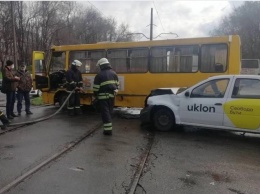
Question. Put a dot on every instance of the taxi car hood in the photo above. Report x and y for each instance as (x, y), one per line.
(164, 96)
(163, 91)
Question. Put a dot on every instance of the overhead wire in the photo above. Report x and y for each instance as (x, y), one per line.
(159, 17)
(96, 8)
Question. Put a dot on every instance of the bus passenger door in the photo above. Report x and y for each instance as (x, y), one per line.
(39, 70)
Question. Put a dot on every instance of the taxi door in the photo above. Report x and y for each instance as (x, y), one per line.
(243, 106)
(203, 104)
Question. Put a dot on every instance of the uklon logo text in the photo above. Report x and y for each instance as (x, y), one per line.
(201, 108)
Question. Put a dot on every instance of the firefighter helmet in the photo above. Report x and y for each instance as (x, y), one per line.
(102, 62)
(76, 63)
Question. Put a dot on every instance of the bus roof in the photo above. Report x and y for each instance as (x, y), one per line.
(178, 41)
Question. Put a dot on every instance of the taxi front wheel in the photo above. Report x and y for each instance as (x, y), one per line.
(163, 119)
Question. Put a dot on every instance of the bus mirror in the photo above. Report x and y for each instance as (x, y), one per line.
(187, 94)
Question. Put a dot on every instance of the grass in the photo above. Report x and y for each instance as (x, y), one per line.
(37, 101)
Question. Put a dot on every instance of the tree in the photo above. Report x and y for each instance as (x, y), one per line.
(41, 24)
(123, 34)
(245, 22)
(5, 31)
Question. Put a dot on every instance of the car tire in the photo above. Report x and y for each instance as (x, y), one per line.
(163, 119)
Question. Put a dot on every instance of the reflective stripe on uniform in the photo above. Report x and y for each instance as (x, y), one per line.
(77, 106)
(102, 96)
(107, 126)
(108, 82)
(1, 113)
(96, 87)
(80, 84)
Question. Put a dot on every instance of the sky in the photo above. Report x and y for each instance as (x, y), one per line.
(184, 18)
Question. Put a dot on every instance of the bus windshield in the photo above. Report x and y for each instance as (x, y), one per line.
(57, 62)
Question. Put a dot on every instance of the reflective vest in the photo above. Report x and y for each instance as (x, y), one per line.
(105, 84)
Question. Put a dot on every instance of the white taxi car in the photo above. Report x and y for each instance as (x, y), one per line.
(230, 102)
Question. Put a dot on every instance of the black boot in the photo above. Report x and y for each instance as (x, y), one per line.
(14, 115)
(29, 112)
(5, 122)
(107, 132)
(78, 111)
(71, 112)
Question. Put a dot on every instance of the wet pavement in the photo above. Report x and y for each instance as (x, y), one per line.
(183, 161)
(100, 164)
(96, 157)
(202, 161)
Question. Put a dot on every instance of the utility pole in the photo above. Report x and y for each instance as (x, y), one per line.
(151, 30)
(14, 36)
(151, 25)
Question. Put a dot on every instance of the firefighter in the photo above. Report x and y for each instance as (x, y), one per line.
(74, 82)
(105, 88)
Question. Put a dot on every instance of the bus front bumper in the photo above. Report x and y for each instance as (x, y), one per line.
(145, 115)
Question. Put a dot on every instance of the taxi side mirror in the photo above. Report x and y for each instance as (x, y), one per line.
(187, 94)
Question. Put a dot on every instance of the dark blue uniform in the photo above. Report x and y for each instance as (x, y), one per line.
(74, 79)
(105, 84)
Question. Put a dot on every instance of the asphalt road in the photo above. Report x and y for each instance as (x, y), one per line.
(183, 161)
(203, 161)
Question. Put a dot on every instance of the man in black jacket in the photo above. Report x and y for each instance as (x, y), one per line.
(105, 88)
(10, 82)
(74, 82)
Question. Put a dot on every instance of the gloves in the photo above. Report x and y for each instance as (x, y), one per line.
(115, 92)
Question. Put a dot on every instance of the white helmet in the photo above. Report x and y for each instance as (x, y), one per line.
(76, 63)
(102, 62)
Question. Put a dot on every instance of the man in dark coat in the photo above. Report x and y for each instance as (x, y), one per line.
(23, 89)
(105, 88)
(9, 84)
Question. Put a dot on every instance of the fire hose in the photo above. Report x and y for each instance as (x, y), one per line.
(43, 118)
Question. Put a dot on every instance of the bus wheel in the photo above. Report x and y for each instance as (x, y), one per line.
(163, 119)
(62, 99)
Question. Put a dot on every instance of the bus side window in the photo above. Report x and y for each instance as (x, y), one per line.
(211, 55)
(158, 60)
(118, 59)
(139, 60)
(182, 59)
(219, 67)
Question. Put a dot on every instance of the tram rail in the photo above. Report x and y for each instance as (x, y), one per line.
(134, 180)
(58, 154)
(140, 168)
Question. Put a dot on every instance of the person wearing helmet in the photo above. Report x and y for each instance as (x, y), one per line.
(74, 82)
(105, 88)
